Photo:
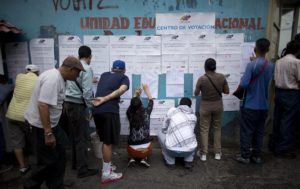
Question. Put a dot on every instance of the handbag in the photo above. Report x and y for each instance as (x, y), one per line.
(241, 92)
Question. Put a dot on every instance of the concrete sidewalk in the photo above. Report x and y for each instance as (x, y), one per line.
(274, 173)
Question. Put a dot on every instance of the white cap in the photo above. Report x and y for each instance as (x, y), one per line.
(32, 68)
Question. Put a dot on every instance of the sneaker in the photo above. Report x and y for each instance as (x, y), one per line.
(218, 156)
(145, 163)
(112, 177)
(131, 162)
(256, 160)
(87, 173)
(113, 167)
(24, 170)
(69, 183)
(203, 157)
(170, 166)
(188, 165)
(240, 159)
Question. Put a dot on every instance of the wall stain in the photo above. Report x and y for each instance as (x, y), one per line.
(171, 8)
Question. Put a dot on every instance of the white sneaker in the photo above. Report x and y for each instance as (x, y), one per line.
(203, 157)
(112, 177)
(113, 167)
(218, 156)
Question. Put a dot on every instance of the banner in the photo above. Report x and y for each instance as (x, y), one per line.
(185, 23)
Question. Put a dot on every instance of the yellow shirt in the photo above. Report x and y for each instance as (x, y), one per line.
(22, 93)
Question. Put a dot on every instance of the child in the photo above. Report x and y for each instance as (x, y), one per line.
(139, 145)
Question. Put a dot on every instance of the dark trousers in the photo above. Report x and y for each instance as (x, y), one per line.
(2, 144)
(49, 165)
(287, 104)
(78, 134)
(252, 132)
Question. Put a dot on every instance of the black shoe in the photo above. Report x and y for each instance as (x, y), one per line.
(145, 163)
(240, 159)
(256, 160)
(87, 173)
(24, 170)
(131, 162)
(69, 183)
(170, 166)
(188, 165)
(286, 155)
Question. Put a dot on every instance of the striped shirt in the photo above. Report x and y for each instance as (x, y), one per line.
(22, 93)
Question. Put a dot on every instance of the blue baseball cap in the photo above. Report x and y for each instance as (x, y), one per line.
(119, 64)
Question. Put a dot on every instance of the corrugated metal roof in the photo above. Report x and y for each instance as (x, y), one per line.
(7, 27)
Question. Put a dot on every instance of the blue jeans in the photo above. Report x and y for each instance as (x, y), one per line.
(252, 132)
(170, 155)
(287, 104)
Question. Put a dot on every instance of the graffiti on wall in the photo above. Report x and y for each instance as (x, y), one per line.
(78, 5)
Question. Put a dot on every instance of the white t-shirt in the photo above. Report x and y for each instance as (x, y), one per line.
(49, 89)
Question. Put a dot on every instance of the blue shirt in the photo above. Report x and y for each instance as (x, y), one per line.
(257, 91)
(109, 82)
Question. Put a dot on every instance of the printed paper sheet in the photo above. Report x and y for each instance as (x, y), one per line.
(42, 53)
(68, 46)
(16, 58)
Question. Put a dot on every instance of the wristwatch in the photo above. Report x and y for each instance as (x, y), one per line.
(48, 134)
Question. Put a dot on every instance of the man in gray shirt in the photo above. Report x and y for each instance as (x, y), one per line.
(42, 115)
(78, 102)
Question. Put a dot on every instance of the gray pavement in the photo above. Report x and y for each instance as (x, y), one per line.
(275, 173)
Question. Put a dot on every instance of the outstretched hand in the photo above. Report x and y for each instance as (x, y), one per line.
(252, 57)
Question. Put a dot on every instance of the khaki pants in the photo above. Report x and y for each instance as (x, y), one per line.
(208, 118)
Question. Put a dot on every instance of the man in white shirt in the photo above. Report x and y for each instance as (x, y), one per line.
(42, 115)
(287, 101)
(177, 137)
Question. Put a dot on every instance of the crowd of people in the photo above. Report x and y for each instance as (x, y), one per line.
(45, 107)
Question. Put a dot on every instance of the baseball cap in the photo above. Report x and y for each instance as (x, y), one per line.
(32, 68)
(71, 61)
(119, 64)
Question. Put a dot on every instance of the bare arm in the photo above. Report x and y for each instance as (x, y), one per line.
(226, 89)
(45, 119)
(147, 91)
(197, 89)
(115, 94)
